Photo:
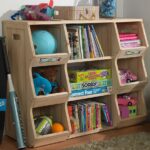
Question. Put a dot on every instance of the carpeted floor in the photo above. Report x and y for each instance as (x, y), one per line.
(137, 141)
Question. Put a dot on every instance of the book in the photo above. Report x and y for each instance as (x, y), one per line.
(70, 35)
(89, 41)
(80, 38)
(106, 114)
(74, 41)
(95, 49)
(121, 35)
(76, 116)
(73, 121)
(87, 51)
(81, 117)
(98, 115)
(97, 41)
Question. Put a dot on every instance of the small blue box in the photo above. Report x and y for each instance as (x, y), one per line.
(2, 104)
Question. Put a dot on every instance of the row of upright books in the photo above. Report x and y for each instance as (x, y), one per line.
(88, 115)
(84, 42)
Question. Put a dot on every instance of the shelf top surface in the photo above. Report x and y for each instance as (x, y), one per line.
(101, 20)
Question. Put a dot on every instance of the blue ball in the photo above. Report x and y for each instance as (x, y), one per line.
(44, 42)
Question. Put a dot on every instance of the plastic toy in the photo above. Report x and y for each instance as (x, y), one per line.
(127, 101)
(124, 111)
(108, 8)
(44, 42)
(126, 76)
(43, 11)
(43, 125)
(127, 106)
(42, 85)
(132, 111)
(57, 127)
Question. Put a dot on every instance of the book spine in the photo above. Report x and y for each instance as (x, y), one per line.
(81, 45)
(87, 51)
(106, 114)
(71, 44)
(96, 53)
(97, 41)
(89, 41)
(83, 41)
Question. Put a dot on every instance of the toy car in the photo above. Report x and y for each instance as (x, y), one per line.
(126, 76)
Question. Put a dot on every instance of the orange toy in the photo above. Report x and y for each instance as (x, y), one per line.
(57, 127)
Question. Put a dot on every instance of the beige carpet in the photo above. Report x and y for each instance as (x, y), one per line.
(137, 141)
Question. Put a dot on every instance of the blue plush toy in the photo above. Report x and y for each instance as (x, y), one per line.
(42, 85)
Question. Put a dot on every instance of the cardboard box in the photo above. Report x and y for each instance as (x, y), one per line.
(77, 12)
(76, 76)
(90, 84)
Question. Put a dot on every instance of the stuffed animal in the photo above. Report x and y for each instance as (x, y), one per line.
(42, 85)
(42, 11)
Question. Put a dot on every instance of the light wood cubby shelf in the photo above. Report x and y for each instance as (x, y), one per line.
(23, 61)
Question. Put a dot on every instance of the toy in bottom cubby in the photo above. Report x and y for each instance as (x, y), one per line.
(127, 106)
(88, 115)
(45, 81)
(46, 123)
(90, 82)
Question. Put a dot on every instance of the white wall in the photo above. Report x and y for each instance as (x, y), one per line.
(141, 9)
(8, 7)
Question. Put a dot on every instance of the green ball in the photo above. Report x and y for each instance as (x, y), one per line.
(43, 125)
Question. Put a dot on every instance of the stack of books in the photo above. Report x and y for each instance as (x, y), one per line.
(88, 115)
(84, 42)
(129, 40)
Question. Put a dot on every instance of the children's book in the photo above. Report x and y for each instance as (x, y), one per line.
(74, 41)
(87, 51)
(101, 53)
(106, 114)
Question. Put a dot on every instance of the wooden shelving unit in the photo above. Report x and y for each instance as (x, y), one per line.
(23, 61)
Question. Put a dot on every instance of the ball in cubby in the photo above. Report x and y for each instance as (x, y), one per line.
(43, 125)
(44, 42)
(57, 127)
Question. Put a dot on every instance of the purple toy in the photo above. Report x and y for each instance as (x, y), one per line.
(124, 111)
(126, 76)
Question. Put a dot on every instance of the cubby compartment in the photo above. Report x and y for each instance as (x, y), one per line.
(89, 79)
(49, 85)
(91, 41)
(107, 37)
(131, 73)
(47, 45)
(90, 115)
(131, 108)
(132, 38)
(49, 124)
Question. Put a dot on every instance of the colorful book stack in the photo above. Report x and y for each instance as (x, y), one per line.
(129, 40)
(84, 42)
(88, 82)
(88, 115)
